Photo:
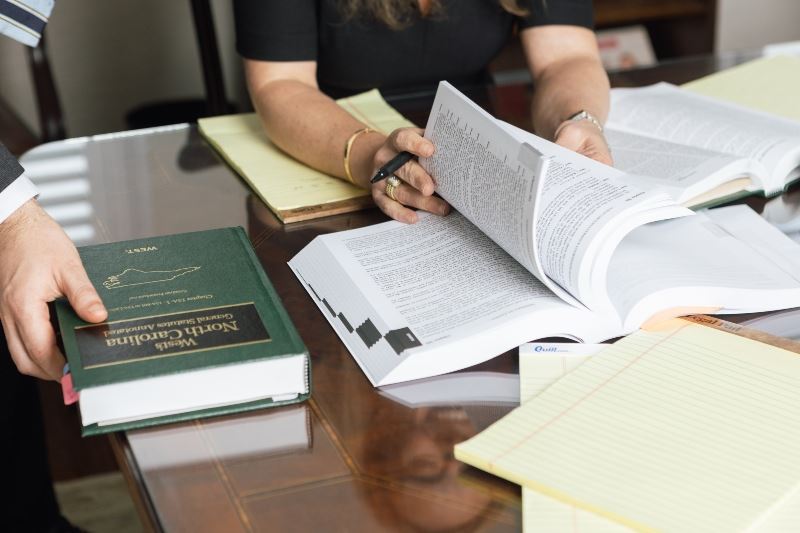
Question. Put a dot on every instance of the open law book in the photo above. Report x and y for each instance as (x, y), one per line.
(544, 243)
(701, 150)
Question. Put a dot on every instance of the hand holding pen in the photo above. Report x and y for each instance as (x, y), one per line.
(392, 166)
(400, 182)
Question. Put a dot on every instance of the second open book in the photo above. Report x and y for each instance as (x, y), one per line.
(545, 242)
(702, 150)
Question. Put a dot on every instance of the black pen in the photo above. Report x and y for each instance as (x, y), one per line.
(391, 167)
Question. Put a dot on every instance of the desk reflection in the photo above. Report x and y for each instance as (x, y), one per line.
(135, 184)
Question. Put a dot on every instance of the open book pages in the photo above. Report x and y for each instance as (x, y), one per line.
(412, 301)
(691, 430)
(698, 149)
(291, 189)
(558, 213)
(556, 245)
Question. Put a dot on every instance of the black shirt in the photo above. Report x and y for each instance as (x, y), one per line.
(361, 54)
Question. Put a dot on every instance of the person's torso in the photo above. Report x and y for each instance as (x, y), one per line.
(457, 45)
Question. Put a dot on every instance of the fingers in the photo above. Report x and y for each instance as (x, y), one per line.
(38, 340)
(413, 174)
(405, 195)
(81, 294)
(599, 153)
(411, 140)
(38, 264)
(417, 187)
(394, 209)
(411, 197)
(584, 137)
(37, 366)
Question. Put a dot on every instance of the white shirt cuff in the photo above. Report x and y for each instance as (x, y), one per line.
(12, 197)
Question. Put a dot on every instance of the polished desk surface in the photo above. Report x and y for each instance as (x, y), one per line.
(353, 458)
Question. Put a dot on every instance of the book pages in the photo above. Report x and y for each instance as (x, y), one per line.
(291, 189)
(548, 207)
(687, 173)
(666, 112)
(656, 266)
(681, 428)
(395, 291)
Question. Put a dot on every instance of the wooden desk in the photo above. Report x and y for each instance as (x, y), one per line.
(350, 459)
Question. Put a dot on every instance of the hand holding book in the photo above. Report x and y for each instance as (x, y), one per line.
(194, 329)
(582, 133)
(415, 187)
(39, 263)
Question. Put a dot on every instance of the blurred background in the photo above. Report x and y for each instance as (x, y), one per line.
(113, 58)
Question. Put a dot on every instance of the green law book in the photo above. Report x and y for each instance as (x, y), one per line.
(194, 329)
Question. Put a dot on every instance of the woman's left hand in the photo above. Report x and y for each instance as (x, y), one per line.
(585, 138)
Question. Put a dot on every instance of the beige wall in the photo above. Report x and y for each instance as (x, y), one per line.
(746, 24)
(113, 55)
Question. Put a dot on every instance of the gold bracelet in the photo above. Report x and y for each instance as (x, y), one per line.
(347, 148)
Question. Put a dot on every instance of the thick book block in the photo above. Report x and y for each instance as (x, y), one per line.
(195, 328)
(542, 242)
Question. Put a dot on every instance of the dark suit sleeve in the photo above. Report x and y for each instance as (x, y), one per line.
(10, 169)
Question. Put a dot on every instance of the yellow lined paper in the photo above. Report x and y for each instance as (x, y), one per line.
(543, 363)
(683, 429)
(291, 189)
(537, 371)
(767, 84)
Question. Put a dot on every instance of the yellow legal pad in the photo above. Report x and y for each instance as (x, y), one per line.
(291, 189)
(684, 428)
(768, 84)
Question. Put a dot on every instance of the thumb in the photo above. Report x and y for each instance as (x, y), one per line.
(82, 295)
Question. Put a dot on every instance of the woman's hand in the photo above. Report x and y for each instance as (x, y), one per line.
(568, 76)
(416, 186)
(585, 138)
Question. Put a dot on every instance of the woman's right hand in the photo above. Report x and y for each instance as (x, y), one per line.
(416, 189)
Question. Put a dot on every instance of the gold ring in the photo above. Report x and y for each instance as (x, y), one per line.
(392, 183)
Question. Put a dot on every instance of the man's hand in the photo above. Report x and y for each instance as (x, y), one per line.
(586, 139)
(38, 263)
